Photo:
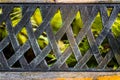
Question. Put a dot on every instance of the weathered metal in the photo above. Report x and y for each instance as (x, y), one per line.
(68, 12)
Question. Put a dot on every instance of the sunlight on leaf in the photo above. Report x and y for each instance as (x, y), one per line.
(56, 21)
(1, 10)
(77, 24)
(22, 36)
(97, 25)
(116, 27)
(36, 18)
(16, 16)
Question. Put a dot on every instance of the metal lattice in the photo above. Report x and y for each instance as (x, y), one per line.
(88, 13)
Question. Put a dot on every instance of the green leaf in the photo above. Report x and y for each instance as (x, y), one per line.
(56, 21)
(77, 24)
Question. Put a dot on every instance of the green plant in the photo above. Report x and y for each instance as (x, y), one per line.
(56, 23)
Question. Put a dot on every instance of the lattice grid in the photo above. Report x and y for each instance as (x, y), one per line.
(31, 57)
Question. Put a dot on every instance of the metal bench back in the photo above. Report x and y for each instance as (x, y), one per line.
(88, 13)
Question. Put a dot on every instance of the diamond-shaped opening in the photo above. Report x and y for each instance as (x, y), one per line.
(97, 26)
(77, 24)
(8, 51)
(1, 12)
(84, 46)
(63, 43)
(16, 65)
(29, 55)
(116, 27)
(16, 15)
(50, 58)
(56, 21)
(36, 18)
(92, 63)
(22, 36)
(43, 40)
(104, 48)
(109, 10)
(113, 64)
(3, 31)
(71, 61)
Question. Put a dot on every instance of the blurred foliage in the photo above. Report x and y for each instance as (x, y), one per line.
(56, 23)
(77, 24)
(97, 26)
(116, 27)
(3, 31)
(71, 61)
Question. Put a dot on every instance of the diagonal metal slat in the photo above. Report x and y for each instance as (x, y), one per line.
(111, 39)
(88, 12)
(14, 41)
(53, 43)
(33, 42)
(3, 61)
(18, 27)
(22, 49)
(62, 59)
(100, 38)
(74, 45)
(47, 49)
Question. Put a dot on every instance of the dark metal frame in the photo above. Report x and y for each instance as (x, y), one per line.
(88, 13)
